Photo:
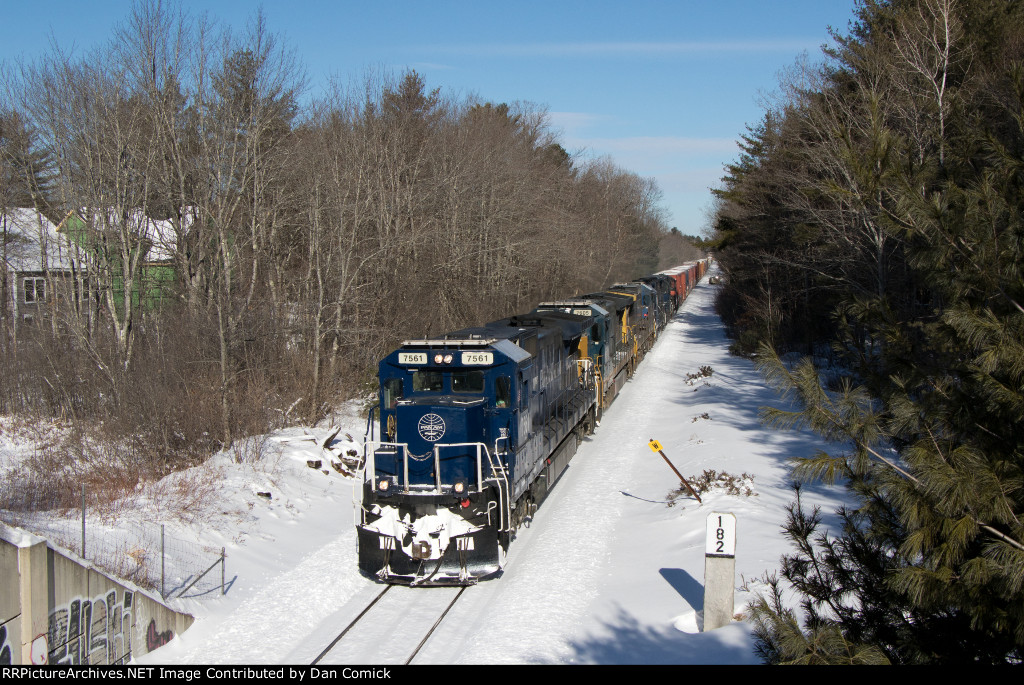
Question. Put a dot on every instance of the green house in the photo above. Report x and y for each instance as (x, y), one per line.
(156, 276)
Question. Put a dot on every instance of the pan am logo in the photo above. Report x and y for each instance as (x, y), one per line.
(431, 427)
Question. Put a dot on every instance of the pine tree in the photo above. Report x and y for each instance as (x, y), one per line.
(929, 566)
(26, 170)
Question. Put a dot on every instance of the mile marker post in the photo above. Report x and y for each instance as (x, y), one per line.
(719, 570)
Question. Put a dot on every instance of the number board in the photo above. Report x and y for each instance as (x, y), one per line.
(721, 541)
(412, 357)
(582, 312)
(477, 358)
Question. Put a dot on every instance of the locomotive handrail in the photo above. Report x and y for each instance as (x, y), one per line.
(499, 468)
(479, 461)
(598, 382)
(370, 423)
(370, 448)
(584, 369)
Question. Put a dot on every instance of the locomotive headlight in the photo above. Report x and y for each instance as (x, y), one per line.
(460, 487)
(448, 359)
(438, 358)
(384, 486)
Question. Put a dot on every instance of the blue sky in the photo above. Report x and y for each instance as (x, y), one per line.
(663, 87)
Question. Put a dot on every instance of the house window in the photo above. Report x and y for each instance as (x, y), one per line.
(35, 290)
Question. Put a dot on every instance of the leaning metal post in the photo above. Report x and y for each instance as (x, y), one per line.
(656, 447)
(203, 574)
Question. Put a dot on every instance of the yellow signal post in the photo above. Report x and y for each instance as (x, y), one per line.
(656, 447)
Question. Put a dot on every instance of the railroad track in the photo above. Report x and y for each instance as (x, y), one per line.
(393, 628)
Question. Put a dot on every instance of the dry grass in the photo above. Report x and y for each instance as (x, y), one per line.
(738, 486)
(117, 478)
(191, 497)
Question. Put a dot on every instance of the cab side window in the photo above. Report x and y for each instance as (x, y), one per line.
(392, 392)
(503, 392)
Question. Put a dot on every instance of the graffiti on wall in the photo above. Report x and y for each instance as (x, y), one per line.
(6, 650)
(156, 639)
(39, 653)
(92, 631)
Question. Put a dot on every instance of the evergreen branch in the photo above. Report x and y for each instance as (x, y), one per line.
(819, 419)
(1010, 299)
(826, 422)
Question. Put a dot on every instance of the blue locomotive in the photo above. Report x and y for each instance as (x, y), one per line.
(475, 427)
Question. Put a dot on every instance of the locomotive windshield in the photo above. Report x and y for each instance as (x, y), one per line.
(467, 381)
(427, 381)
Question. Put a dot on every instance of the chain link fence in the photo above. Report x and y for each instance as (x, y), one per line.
(143, 553)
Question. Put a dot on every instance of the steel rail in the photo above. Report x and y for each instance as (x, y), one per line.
(349, 626)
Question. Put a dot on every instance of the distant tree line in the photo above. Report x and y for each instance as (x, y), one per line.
(876, 217)
(307, 237)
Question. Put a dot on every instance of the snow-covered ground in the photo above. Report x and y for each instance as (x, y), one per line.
(611, 571)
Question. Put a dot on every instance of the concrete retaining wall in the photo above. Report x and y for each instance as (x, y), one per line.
(59, 610)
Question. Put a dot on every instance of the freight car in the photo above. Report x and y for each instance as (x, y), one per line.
(474, 427)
